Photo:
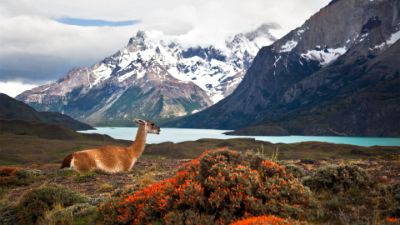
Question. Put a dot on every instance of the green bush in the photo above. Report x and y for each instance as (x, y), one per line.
(36, 202)
(296, 170)
(337, 179)
(78, 214)
(345, 194)
(217, 188)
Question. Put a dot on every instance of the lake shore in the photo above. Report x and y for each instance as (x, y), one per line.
(177, 135)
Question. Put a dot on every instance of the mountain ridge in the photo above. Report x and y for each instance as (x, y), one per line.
(91, 94)
(274, 90)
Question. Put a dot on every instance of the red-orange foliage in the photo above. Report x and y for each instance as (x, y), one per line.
(262, 220)
(8, 171)
(391, 220)
(7, 175)
(217, 188)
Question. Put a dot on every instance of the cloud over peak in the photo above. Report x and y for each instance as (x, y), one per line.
(37, 48)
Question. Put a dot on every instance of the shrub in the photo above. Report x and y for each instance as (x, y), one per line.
(338, 179)
(78, 214)
(19, 177)
(346, 194)
(263, 220)
(389, 201)
(7, 171)
(217, 188)
(7, 213)
(294, 169)
(37, 201)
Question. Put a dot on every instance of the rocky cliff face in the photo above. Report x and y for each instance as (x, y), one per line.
(340, 65)
(153, 77)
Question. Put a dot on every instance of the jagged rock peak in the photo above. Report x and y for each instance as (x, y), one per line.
(315, 71)
(140, 36)
(264, 31)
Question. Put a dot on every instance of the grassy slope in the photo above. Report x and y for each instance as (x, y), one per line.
(11, 109)
(305, 150)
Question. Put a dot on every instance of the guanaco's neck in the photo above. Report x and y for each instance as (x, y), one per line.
(139, 143)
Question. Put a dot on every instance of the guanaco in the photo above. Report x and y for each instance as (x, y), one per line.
(111, 158)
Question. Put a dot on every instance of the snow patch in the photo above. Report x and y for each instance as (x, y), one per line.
(141, 74)
(393, 38)
(363, 37)
(126, 76)
(299, 32)
(102, 73)
(217, 97)
(276, 61)
(324, 56)
(289, 46)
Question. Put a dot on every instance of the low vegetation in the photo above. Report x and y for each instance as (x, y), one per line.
(37, 202)
(244, 187)
(217, 188)
(338, 179)
(264, 220)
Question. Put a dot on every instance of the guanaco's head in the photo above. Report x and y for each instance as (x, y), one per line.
(151, 127)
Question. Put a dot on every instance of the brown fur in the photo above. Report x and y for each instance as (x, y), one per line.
(111, 159)
(67, 161)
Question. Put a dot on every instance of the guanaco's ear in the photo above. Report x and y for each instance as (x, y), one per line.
(139, 121)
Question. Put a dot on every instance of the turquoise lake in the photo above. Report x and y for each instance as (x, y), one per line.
(180, 134)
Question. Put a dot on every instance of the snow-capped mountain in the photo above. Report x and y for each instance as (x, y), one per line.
(154, 77)
(337, 74)
(216, 71)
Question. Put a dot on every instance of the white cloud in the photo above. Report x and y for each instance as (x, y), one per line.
(28, 28)
(14, 88)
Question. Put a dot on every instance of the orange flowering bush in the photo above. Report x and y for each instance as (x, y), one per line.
(262, 220)
(392, 221)
(216, 188)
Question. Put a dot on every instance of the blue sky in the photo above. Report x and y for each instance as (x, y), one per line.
(95, 22)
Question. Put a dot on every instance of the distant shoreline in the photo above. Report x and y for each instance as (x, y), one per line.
(177, 135)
